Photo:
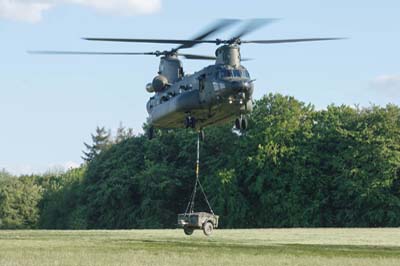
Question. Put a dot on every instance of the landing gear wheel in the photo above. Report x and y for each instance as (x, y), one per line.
(244, 123)
(188, 231)
(190, 121)
(187, 121)
(150, 132)
(208, 228)
(238, 124)
(202, 135)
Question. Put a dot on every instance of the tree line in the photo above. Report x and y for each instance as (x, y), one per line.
(294, 167)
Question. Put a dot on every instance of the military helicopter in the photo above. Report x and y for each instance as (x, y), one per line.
(217, 94)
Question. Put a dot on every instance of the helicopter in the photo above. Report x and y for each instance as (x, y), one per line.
(217, 94)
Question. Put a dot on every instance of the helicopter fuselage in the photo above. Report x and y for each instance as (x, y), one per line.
(214, 95)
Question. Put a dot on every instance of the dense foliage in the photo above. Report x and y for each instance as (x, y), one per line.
(295, 166)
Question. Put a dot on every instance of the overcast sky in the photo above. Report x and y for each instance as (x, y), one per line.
(49, 105)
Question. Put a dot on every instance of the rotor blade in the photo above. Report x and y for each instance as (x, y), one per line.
(173, 41)
(292, 40)
(198, 57)
(219, 25)
(253, 25)
(87, 53)
(187, 56)
(206, 57)
(184, 42)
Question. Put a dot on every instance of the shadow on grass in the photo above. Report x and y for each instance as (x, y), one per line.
(179, 246)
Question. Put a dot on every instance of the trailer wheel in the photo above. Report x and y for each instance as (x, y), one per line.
(188, 231)
(208, 228)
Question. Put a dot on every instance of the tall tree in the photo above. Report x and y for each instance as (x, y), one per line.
(123, 133)
(101, 140)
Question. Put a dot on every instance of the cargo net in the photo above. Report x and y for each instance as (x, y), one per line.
(197, 185)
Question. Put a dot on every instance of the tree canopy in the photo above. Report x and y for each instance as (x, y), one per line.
(294, 167)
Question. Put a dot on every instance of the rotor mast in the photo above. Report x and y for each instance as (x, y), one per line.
(228, 54)
(171, 68)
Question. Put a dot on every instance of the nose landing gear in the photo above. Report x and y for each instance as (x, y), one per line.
(241, 123)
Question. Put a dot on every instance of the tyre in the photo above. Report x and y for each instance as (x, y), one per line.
(238, 124)
(208, 228)
(244, 123)
(188, 231)
(188, 121)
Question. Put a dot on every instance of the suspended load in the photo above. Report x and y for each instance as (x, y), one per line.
(191, 220)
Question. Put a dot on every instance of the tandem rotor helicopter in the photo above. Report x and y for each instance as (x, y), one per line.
(217, 94)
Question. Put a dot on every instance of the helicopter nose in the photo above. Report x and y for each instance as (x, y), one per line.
(240, 85)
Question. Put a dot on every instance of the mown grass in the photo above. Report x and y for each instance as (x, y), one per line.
(225, 247)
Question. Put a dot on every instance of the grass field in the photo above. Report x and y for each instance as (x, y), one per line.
(226, 247)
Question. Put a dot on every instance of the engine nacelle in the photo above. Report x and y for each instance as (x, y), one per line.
(149, 87)
(159, 83)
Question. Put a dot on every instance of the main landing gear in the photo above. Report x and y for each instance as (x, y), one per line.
(241, 123)
(190, 122)
(150, 132)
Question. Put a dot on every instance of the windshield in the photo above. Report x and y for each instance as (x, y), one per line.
(235, 73)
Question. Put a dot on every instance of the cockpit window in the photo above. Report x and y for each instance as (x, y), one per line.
(246, 73)
(224, 73)
(236, 73)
